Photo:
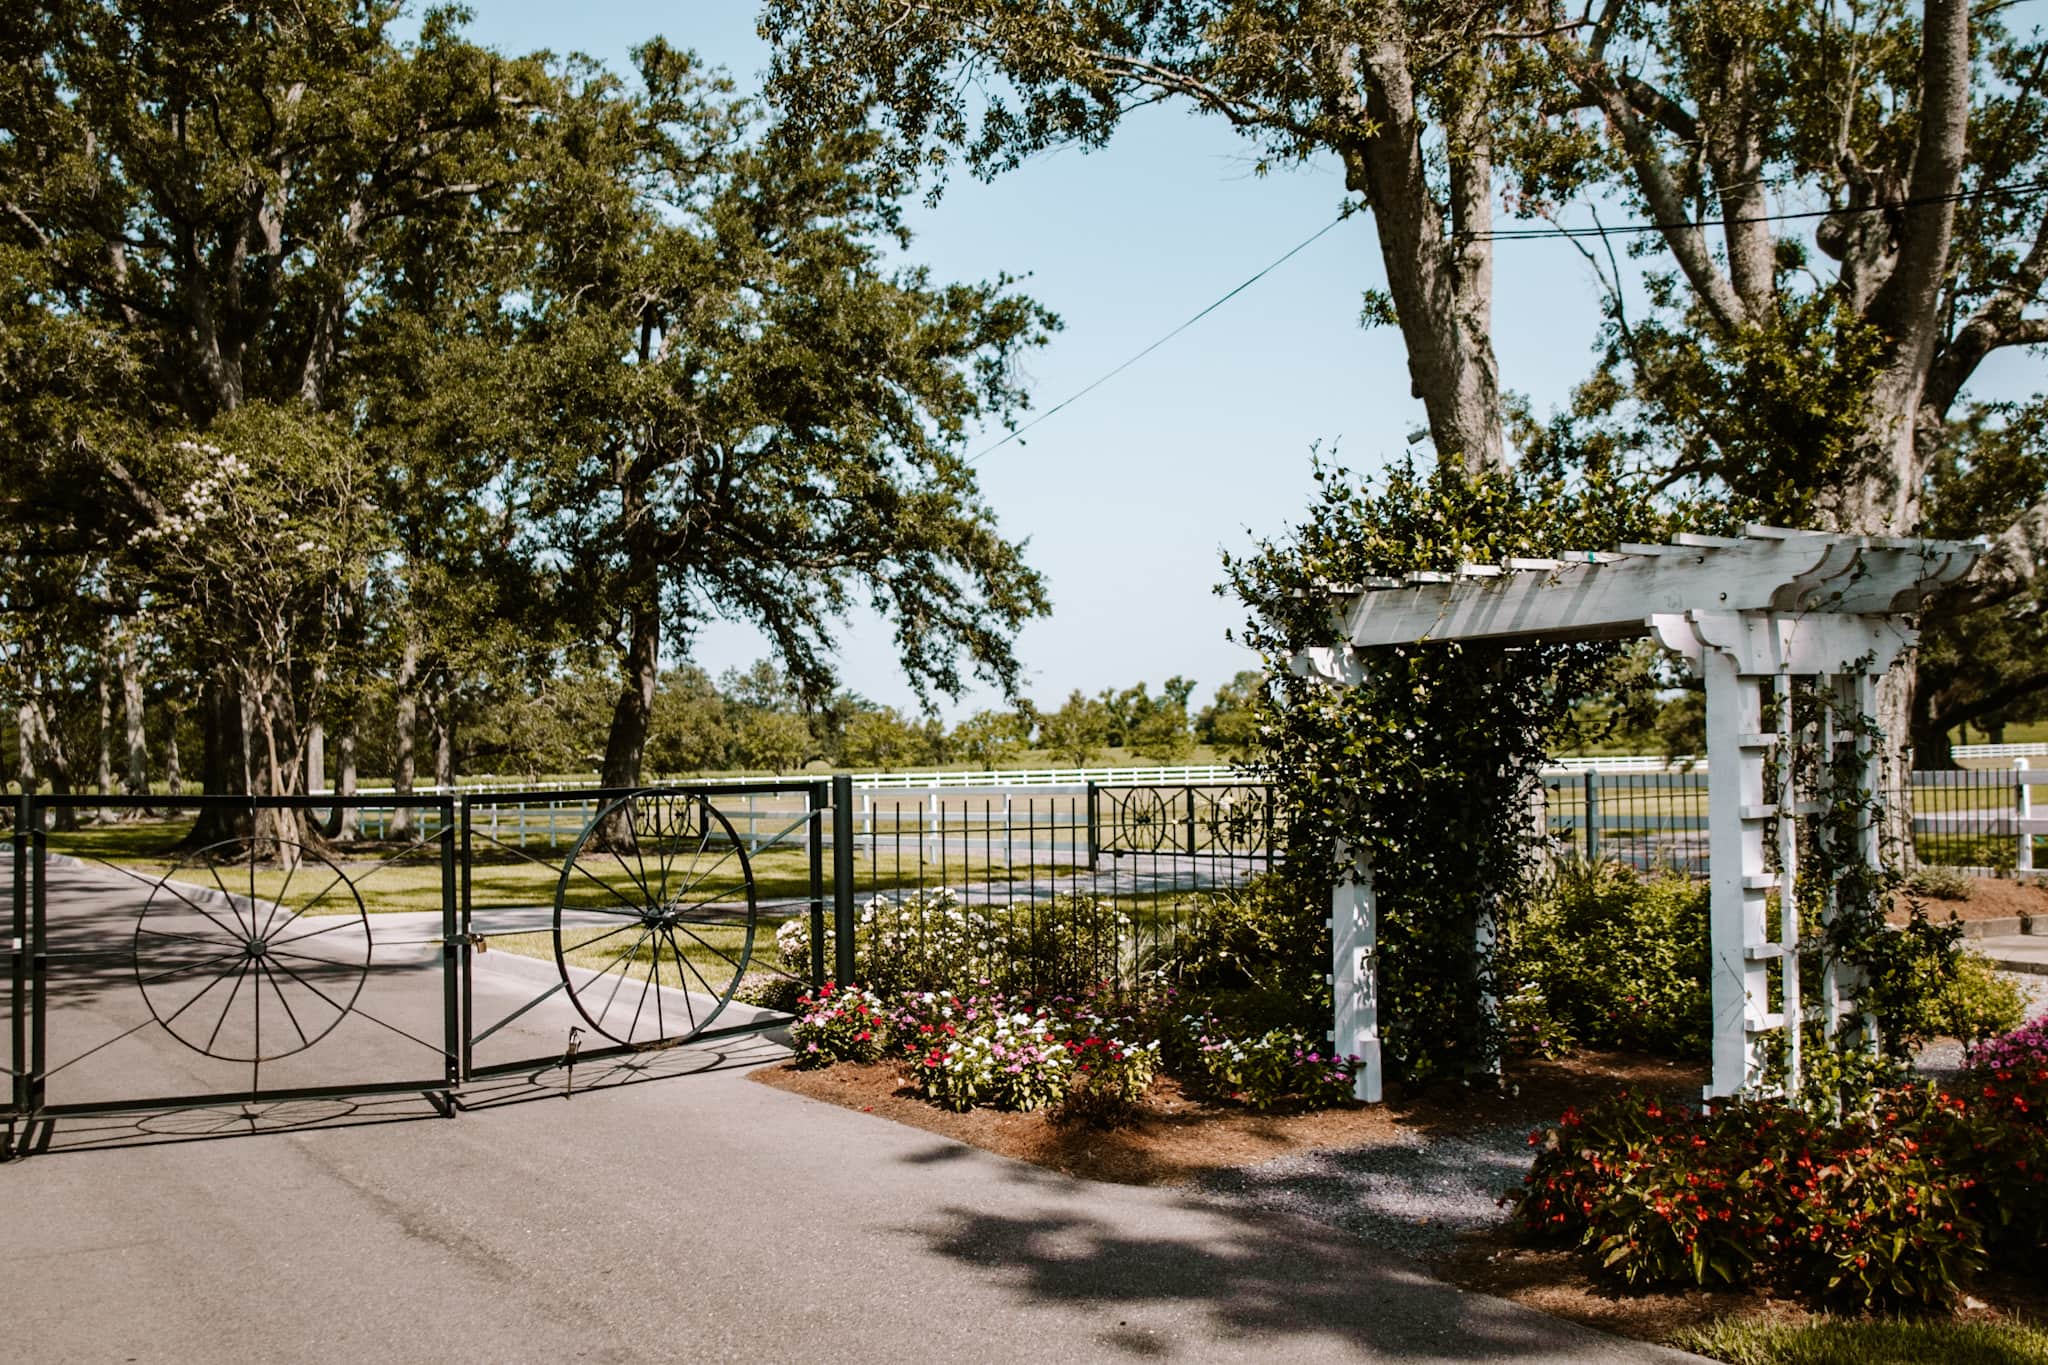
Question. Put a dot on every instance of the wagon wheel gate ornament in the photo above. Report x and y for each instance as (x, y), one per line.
(1142, 822)
(1237, 821)
(655, 919)
(246, 979)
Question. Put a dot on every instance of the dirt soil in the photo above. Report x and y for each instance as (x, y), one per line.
(1990, 898)
(1178, 1137)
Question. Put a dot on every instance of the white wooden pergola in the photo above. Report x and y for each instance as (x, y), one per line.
(1752, 615)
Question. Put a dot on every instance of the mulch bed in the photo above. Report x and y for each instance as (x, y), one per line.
(1178, 1137)
(1990, 898)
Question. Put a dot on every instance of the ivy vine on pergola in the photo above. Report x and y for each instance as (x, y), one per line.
(1758, 617)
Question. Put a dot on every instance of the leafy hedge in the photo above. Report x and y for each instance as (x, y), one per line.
(1901, 1203)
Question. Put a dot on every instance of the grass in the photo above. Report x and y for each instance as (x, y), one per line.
(1867, 1341)
(396, 880)
(715, 952)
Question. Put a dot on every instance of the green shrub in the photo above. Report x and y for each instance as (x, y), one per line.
(841, 1025)
(1940, 883)
(1282, 1067)
(1598, 955)
(1868, 1210)
(1921, 983)
(934, 941)
(1268, 937)
(1110, 1076)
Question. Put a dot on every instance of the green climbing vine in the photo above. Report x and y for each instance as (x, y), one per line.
(1428, 765)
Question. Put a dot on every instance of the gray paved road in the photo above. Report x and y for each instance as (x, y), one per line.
(697, 1217)
(691, 1216)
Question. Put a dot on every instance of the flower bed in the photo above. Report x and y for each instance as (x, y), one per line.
(1902, 1202)
(1078, 1054)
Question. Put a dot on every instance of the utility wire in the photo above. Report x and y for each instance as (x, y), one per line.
(2024, 189)
(1081, 393)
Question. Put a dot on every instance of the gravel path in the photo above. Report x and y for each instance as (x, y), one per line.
(1419, 1196)
(1414, 1197)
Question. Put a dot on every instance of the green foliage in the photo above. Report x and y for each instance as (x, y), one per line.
(1268, 936)
(1866, 1341)
(1231, 722)
(1921, 982)
(1425, 764)
(932, 941)
(1281, 1068)
(1076, 730)
(841, 1024)
(1597, 954)
(1866, 1211)
(1110, 1076)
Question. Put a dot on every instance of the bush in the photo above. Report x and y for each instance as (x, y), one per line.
(1598, 955)
(1657, 1195)
(1922, 983)
(841, 1025)
(1110, 1076)
(932, 941)
(966, 1051)
(1940, 883)
(1270, 937)
(1997, 1132)
(1867, 1341)
(2025, 1047)
(1281, 1067)
(1901, 1203)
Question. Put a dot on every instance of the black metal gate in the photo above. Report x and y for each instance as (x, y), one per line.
(316, 953)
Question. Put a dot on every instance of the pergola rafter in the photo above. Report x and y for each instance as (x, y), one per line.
(1751, 614)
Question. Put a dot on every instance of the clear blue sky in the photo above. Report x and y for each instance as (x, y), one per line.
(1129, 496)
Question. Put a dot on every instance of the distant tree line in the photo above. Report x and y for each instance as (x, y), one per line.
(414, 404)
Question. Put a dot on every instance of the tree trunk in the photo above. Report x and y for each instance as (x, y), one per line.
(131, 711)
(55, 764)
(408, 721)
(25, 742)
(103, 764)
(347, 825)
(174, 775)
(223, 763)
(627, 740)
(442, 724)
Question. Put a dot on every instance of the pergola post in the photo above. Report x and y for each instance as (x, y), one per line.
(1354, 972)
(1738, 881)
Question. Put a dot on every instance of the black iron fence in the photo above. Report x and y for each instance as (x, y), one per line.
(1095, 888)
(228, 958)
(1981, 819)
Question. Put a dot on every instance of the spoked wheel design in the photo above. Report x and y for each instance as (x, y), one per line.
(244, 979)
(1237, 821)
(1141, 820)
(655, 919)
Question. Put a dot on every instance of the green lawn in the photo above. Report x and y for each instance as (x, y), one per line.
(1872, 1341)
(391, 879)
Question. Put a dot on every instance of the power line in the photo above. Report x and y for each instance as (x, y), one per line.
(1076, 396)
(2021, 190)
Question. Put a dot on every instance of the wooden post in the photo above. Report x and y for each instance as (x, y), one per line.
(2023, 808)
(1354, 978)
(1738, 882)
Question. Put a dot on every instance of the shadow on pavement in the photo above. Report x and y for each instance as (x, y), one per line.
(174, 1123)
(1254, 1275)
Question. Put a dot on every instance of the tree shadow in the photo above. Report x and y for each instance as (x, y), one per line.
(173, 1123)
(1251, 1277)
